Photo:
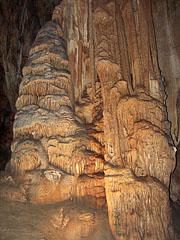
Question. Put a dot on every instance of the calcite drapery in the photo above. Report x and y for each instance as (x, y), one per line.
(53, 144)
(105, 79)
(136, 109)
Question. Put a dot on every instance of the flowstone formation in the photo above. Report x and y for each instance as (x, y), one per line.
(91, 123)
(51, 146)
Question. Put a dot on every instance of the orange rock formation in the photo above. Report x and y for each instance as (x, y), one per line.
(91, 122)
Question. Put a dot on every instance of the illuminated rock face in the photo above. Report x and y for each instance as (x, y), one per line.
(51, 145)
(91, 123)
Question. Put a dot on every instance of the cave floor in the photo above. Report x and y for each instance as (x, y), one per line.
(24, 221)
(20, 221)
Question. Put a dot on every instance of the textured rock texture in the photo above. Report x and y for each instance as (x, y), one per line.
(166, 15)
(175, 181)
(53, 146)
(91, 123)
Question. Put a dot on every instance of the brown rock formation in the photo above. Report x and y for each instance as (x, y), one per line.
(91, 123)
(175, 180)
(166, 15)
(53, 137)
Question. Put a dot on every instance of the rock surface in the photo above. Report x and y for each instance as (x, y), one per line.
(66, 221)
(175, 180)
(166, 15)
(91, 123)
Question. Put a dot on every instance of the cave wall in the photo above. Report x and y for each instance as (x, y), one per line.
(97, 130)
(23, 27)
(166, 16)
(97, 90)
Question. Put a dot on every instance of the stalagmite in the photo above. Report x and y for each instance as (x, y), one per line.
(91, 122)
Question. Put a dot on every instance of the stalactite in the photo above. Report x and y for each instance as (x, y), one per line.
(92, 50)
(105, 140)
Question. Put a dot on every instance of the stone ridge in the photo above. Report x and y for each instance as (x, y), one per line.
(51, 145)
(91, 124)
